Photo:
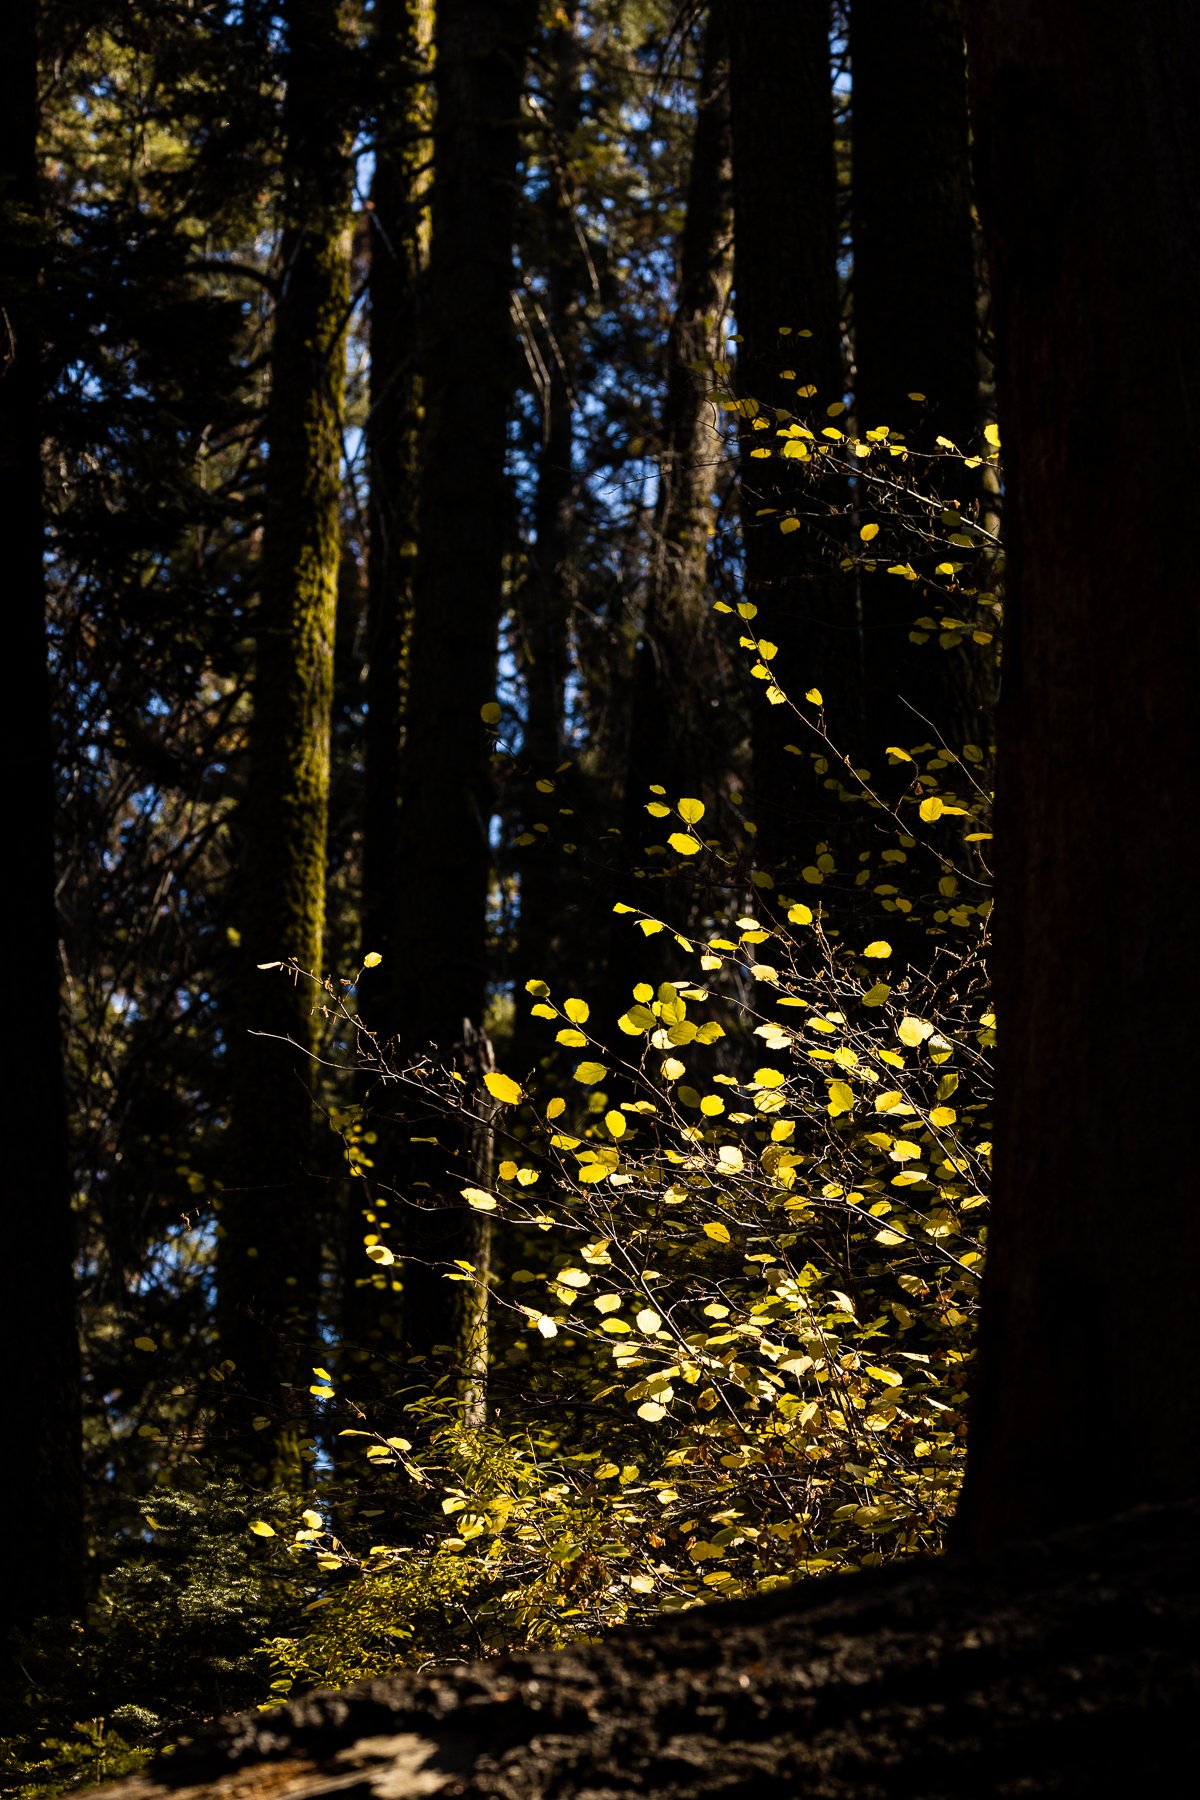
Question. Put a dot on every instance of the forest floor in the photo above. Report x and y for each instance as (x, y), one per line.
(1069, 1666)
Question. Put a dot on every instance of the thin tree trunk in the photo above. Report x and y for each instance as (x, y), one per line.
(403, 40)
(43, 1492)
(545, 600)
(916, 328)
(787, 311)
(679, 734)
(270, 1248)
(1088, 167)
(468, 366)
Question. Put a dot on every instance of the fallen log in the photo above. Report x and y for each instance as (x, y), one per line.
(1069, 1666)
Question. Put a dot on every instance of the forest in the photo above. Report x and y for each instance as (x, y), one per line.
(513, 1028)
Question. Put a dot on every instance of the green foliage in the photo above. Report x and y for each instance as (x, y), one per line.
(175, 1635)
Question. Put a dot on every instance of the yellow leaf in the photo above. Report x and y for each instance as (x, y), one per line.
(731, 1158)
(913, 1031)
(880, 948)
(684, 843)
(323, 1373)
(322, 1392)
(590, 1072)
(555, 1107)
(800, 915)
(787, 526)
(616, 1123)
(574, 1040)
(942, 1115)
(992, 435)
(717, 1232)
(815, 697)
(769, 1078)
(311, 1519)
(711, 1105)
(260, 1528)
(591, 1173)
(577, 1011)
(144, 1343)
(841, 1099)
(651, 1411)
(372, 959)
(868, 532)
(479, 1199)
(672, 1068)
(547, 1327)
(931, 809)
(490, 712)
(503, 1088)
(691, 811)
(875, 996)
(637, 1020)
(648, 1320)
(379, 1253)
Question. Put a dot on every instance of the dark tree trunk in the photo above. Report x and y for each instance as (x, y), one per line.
(915, 326)
(402, 42)
(545, 600)
(679, 732)
(1088, 168)
(270, 1248)
(42, 1494)
(401, 47)
(468, 367)
(673, 735)
(787, 312)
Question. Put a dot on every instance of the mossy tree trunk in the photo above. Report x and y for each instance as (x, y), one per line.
(269, 1257)
(42, 1493)
(1088, 167)
(787, 309)
(916, 330)
(468, 370)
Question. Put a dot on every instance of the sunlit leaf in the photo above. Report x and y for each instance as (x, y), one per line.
(503, 1088)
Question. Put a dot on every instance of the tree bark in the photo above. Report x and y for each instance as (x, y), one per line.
(916, 328)
(1088, 166)
(468, 366)
(43, 1493)
(269, 1255)
(788, 316)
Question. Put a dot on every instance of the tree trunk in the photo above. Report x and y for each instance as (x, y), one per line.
(270, 1248)
(1088, 167)
(916, 327)
(468, 366)
(679, 732)
(43, 1493)
(787, 312)
(545, 600)
(402, 44)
